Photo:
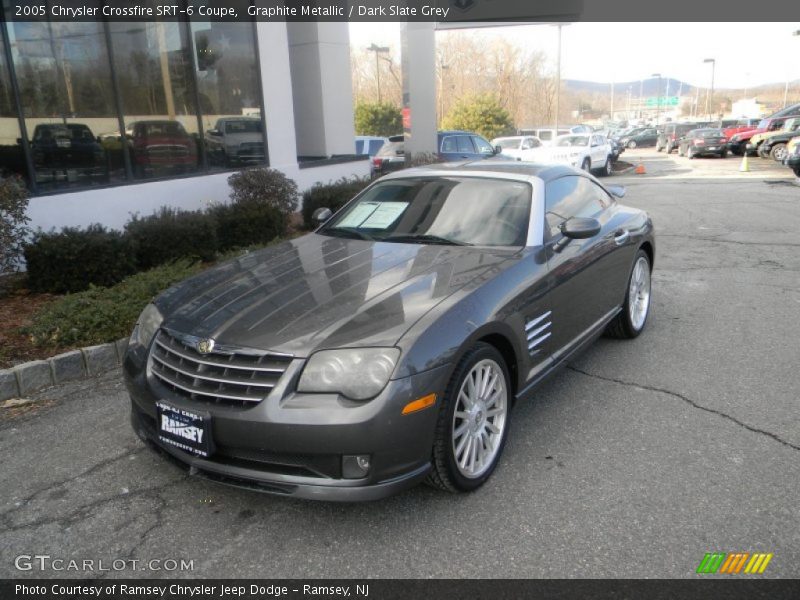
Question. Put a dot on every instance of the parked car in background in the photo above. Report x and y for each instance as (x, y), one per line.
(545, 134)
(236, 141)
(643, 138)
(586, 151)
(390, 157)
(738, 143)
(67, 151)
(786, 132)
(792, 159)
(668, 139)
(160, 147)
(615, 148)
(369, 145)
(452, 146)
(741, 126)
(518, 146)
(703, 142)
(389, 346)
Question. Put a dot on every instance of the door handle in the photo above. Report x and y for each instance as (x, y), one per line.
(621, 236)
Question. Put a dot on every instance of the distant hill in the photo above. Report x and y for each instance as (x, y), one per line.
(649, 87)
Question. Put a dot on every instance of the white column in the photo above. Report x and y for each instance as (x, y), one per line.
(419, 85)
(276, 81)
(323, 92)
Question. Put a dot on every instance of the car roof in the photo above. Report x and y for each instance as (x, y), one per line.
(524, 170)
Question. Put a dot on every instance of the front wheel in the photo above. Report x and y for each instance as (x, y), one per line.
(473, 421)
(778, 152)
(632, 144)
(689, 153)
(630, 322)
(586, 165)
(668, 148)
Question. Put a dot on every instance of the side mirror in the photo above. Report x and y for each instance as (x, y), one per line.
(580, 228)
(498, 149)
(321, 215)
(616, 190)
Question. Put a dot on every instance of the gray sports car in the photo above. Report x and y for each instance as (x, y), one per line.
(390, 346)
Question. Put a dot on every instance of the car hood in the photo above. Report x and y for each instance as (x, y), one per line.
(322, 292)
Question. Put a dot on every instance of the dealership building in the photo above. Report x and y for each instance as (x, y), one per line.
(107, 119)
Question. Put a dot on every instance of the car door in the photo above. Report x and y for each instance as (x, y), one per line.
(583, 273)
(598, 151)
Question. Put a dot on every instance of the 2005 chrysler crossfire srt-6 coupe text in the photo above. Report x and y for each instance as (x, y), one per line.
(389, 346)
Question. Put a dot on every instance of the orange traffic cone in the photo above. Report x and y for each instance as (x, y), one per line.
(640, 169)
(745, 166)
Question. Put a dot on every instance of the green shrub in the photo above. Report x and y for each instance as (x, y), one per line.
(332, 195)
(13, 222)
(170, 234)
(383, 119)
(246, 224)
(100, 315)
(74, 259)
(264, 186)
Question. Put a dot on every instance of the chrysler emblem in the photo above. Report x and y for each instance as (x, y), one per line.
(205, 346)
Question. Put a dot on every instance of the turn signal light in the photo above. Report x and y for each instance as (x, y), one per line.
(419, 404)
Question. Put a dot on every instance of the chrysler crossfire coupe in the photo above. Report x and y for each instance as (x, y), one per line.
(389, 346)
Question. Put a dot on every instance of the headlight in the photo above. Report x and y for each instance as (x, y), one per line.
(146, 326)
(358, 373)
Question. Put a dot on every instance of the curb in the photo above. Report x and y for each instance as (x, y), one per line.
(29, 377)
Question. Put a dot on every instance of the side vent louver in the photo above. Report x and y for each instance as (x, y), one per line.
(537, 330)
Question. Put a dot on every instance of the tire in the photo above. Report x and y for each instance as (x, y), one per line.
(778, 152)
(796, 171)
(658, 148)
(761, 152)
(668, 148)
(607, 169)
(629, 324)
(723, 154)
(448, 473)
(586, 165)
(632, 144)
(680, 150)
(689, 152)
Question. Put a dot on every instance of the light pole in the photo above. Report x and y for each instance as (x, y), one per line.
(378, 50)
(558, 79)
(442, 68)
(710, 91)
(641, 84)
(658, 98)
(786, 89)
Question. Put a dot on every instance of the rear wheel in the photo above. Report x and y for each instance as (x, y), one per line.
(473, 421)
(778, 152)
(723, 154)
(606, 170)
(586, 165)
(689, 153)
(668, 148)
(630, 322)
(632, 144)
(680, 150)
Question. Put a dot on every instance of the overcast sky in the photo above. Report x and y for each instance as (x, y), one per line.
(765, 53)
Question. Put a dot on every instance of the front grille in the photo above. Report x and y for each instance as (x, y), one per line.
(236, 377)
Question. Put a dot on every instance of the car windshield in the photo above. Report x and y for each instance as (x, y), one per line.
(438, 210)
(72, 132)
(243, 126)
(161, 128)
(506, 142)
(572, 140)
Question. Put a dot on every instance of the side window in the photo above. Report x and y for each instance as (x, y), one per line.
(374, 146)
(569, 197)
(482, 145)
(545, 136)
(465, 144)
(359, 146)
(449, 144)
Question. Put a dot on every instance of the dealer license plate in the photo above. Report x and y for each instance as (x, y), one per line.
(184, 429)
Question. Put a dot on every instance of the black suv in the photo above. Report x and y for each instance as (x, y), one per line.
(668, 139)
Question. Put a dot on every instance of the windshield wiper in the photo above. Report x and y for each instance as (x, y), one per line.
(420, 238)
(350, 232)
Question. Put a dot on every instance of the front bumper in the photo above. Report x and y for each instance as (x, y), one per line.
(293, 444)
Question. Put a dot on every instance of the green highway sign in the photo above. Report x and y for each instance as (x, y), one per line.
(654, 101)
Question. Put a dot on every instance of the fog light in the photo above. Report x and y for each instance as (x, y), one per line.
(355, 466)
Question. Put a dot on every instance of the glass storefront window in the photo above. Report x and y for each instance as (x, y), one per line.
(64, 80)
(154, 72)
(12, 157)
(227, 79)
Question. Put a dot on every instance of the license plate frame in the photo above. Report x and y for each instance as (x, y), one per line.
(187, 430)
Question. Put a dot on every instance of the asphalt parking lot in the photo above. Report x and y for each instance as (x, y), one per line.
(634, 461)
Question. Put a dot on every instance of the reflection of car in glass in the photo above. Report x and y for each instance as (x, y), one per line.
(389, 346)
(703, 142)
(160, 146)
(369, 145)
(517, 146)
(67, 150)
(236, 140)
(589, 152)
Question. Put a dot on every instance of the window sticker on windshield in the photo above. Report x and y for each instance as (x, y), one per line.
(374, 215)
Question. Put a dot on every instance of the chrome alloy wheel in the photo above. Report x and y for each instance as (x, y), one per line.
(639, 293)
(479, 419)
